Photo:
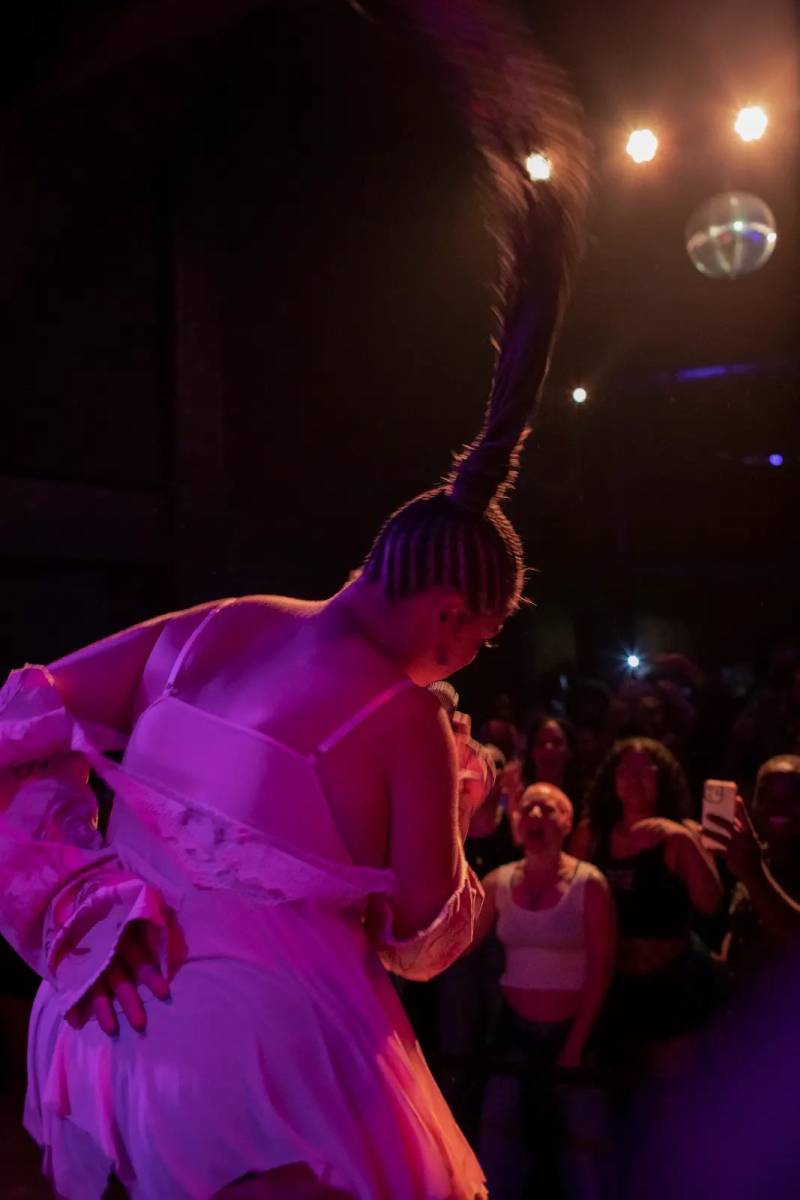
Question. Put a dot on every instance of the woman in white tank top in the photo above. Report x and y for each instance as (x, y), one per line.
(555, 919)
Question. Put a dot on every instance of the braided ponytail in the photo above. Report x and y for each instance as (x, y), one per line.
(516, 102)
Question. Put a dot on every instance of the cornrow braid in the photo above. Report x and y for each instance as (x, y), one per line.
(433, 541)
(515, 101)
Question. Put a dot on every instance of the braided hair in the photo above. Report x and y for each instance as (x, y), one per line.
(457, 534)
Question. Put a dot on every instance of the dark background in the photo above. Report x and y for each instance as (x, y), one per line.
(245, 299)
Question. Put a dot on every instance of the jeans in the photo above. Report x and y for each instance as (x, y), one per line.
(539, 1137)
(468, 999)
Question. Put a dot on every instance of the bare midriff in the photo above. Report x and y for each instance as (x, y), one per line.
(640, 956)
(534, 1004)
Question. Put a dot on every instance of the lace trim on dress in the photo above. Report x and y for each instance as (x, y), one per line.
(432, 950)
(216, 851)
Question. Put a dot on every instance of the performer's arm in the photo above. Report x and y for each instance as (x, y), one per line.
(65, 900)
(437, 897)
(424, 847)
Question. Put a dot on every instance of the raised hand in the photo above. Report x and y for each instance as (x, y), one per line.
(737, 841)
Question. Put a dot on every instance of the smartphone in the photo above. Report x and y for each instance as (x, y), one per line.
(719, 800)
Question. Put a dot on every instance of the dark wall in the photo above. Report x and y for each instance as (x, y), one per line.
(335, 211)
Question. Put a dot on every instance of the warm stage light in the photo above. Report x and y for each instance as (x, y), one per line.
(642, 145)
(751, 123)
(580, 395)
(538, 167)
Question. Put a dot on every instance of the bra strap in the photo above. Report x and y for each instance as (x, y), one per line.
(359, 717)
(189, 644)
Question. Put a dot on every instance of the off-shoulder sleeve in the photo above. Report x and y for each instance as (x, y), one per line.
(431, 950)
(65, 899)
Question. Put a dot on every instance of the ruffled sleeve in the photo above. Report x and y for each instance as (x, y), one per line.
(65, 899)
(432, 950)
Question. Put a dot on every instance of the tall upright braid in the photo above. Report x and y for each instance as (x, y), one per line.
(515, 101)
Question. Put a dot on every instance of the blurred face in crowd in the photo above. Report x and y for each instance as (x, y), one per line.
(543, 818)
(589, 745)
(636, 783)
(503, 709)
(651, 716)
(776, 812)
(550, 752)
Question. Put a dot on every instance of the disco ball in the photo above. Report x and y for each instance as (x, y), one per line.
(731, 234)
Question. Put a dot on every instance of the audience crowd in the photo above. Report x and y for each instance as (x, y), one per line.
(617, 924)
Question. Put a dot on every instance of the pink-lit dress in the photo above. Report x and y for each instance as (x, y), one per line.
(284, 1041)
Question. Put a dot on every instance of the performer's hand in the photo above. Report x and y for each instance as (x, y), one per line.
(135, 965)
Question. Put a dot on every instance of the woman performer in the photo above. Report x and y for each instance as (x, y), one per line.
(215, 1019)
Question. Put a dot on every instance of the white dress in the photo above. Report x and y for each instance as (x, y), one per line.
(284, 1041)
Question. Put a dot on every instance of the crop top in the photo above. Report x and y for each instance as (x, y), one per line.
(545, 949)
(652, 902)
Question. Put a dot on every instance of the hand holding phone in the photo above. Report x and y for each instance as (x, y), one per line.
(738, 841)
(719, 805)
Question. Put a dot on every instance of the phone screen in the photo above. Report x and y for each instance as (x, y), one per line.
(719, 800)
